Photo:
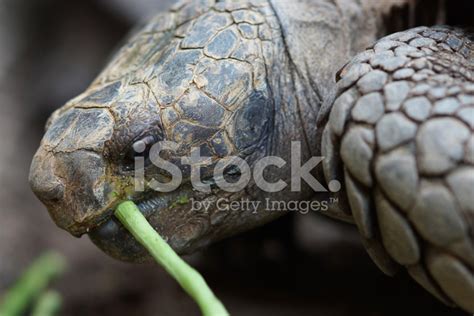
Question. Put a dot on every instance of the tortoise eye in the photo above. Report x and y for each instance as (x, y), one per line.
(140, 148)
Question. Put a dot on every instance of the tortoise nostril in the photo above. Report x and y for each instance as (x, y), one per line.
(48, 190)
(44, 183)
(55, 193)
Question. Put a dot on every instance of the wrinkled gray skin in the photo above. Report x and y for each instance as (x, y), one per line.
(246, 78)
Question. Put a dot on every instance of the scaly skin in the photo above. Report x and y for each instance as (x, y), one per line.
(246, 78)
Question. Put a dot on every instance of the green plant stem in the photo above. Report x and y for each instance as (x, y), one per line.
(34, 280)
(48, 304)
(189, 279)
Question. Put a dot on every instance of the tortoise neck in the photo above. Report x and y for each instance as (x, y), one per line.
(314, 40)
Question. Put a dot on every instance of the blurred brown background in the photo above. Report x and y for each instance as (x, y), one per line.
(50, 50)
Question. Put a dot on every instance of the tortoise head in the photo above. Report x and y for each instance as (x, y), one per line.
(206, 91)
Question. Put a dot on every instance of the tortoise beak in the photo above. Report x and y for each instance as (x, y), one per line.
(73, 188)
(68, 173)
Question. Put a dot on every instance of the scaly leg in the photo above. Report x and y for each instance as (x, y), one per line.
(400, 134)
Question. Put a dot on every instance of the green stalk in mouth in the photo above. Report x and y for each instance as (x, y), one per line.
(189, 279)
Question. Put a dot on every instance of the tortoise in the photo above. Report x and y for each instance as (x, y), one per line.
(392, 120)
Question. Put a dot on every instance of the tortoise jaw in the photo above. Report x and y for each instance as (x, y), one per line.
(80, 229)
(113, 239)
(169, 214)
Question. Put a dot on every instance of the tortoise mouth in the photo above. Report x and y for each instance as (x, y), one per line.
(116, 241)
